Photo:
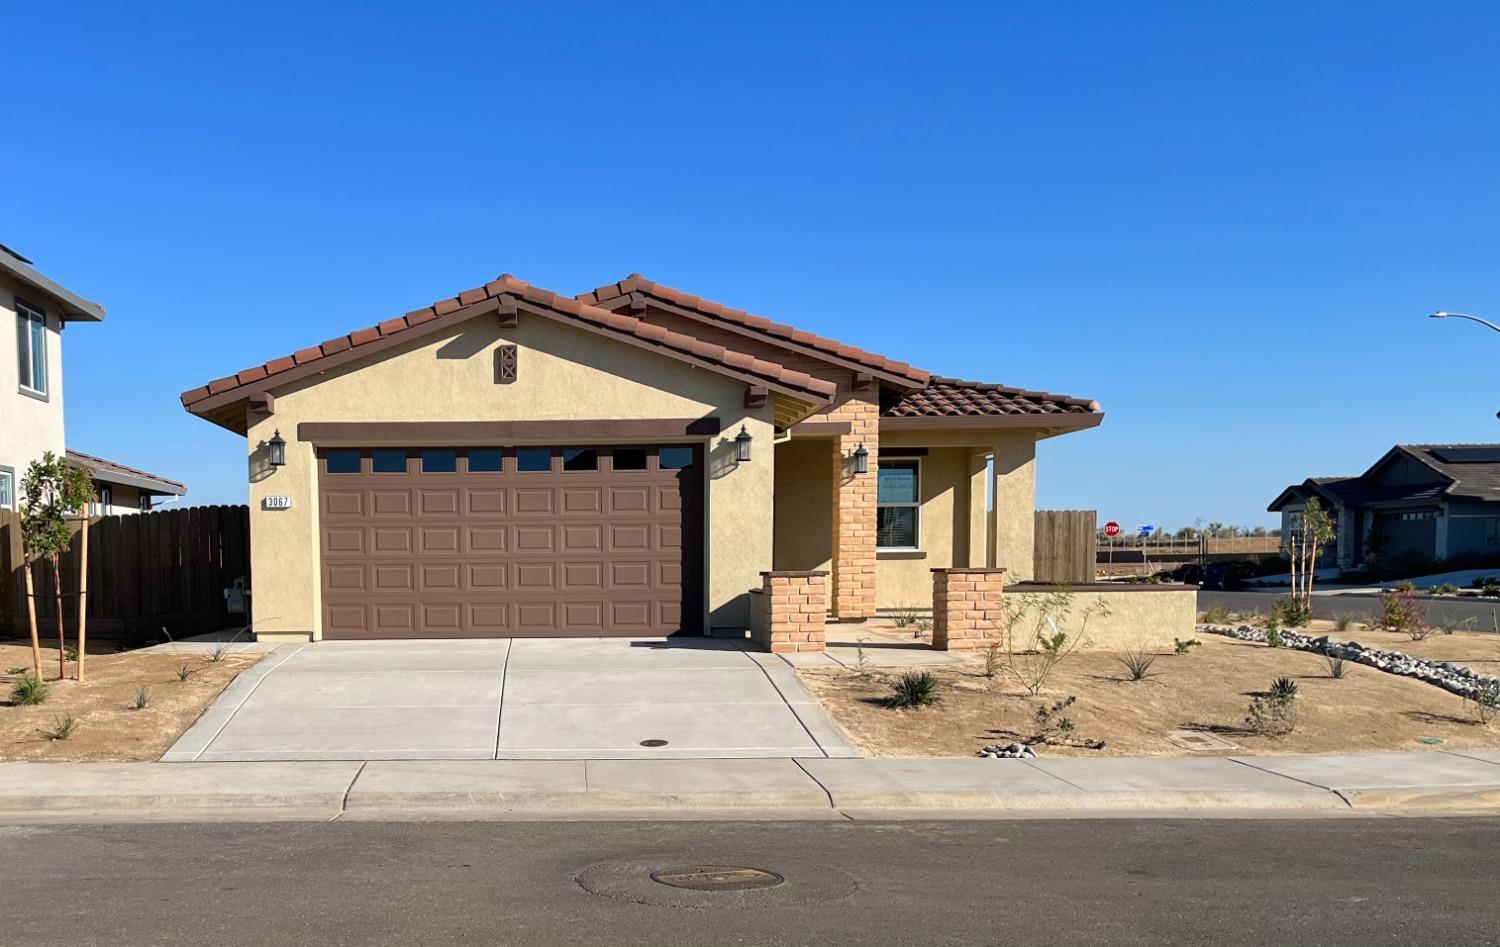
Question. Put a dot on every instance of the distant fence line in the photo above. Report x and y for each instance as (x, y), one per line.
(146, 571)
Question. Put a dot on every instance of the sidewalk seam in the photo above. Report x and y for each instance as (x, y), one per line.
(810, 776)
(1305, 782)
(1462, 755)
(504, 677)
(255, 687)
(788, 705)
(344, 803)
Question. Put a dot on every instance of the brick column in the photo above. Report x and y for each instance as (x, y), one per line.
(966, 608)
(792, 612)
(853, 597)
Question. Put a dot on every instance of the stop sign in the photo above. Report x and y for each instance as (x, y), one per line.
(1111, 529)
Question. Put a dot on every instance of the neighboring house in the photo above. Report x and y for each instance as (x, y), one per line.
(1434, 500)
(31, 389)
(120, 489)
(514, 462)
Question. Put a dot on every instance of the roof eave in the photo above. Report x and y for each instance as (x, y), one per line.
(1056, 423)
(74, 307)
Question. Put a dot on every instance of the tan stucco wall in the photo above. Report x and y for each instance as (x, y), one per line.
(944, 524)
(1015, 504)
(28, 426)
(1146, 618)
(564, 373)
(804, 505)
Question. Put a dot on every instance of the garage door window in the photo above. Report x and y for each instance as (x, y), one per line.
(484, 461)
(675, 458)
(533, 460)
(388, 461)
(629, 458)
(578, 459)
(343, 461)
(439, 461)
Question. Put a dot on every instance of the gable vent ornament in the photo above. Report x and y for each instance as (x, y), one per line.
(505, 365)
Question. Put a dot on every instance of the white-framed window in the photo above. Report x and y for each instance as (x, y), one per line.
(143, 502)
(101, 506)
(898, 502)
(31, 347)
(7, 489)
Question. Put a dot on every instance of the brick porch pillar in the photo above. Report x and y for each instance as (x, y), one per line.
(853, 597)
(792, 611)
(966, 608)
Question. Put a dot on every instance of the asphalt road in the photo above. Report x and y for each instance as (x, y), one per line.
(1474, 615)
(1334, 882)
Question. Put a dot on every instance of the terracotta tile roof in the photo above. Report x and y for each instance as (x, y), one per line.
(507, 286)
(955, 398)
(103, 469)
(635, 283)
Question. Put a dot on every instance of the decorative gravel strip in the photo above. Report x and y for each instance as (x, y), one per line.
(1454, 678)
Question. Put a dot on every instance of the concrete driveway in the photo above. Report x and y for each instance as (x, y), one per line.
(533, 698)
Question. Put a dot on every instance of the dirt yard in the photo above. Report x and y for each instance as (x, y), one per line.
(1207, 691)
(107, 726)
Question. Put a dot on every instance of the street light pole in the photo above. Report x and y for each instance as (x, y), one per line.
(1443, 314)
(1440, 314)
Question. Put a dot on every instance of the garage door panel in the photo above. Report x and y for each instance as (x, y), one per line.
(483, 540)
(506, 552)
(391, 540)
(390, 503)
(438, 502)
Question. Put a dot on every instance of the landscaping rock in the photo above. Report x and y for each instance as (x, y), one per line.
(1454, 678)
(1008, 751)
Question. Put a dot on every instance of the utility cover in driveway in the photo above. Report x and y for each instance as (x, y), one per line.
(594, 698)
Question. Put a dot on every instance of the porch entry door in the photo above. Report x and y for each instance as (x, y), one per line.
(480, 542)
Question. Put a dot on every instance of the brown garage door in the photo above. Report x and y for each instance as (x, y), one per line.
(477, 542)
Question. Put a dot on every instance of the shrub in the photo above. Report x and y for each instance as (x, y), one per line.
(1447, 588)
(29, 691)
(1137, 665)
(142, 698)
(1273, 636)
(1484, 702)
(1338, 668)
(18, 670)
(1031, 653)
(1283, 688)
(184, 672)
(994, 660)
(906, 615)
(1179, 646)
(62, 728)
(1400, 611)
(1342, 622)
(915, 689)
(1290, 613)
(71, 653)
(1218, 615)
(1054, 726)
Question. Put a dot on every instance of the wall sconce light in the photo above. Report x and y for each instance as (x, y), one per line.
(277, 448)
(742, 446)
(861, 460)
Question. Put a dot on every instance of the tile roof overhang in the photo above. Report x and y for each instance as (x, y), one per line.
(635, 293)
(955, 403)
(110, 472)
(505, 294)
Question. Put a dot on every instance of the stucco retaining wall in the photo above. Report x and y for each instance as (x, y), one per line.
(1140, 616)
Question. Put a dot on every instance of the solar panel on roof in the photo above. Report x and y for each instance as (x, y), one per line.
(1468, 455)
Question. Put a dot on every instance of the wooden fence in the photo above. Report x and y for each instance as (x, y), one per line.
(146, 571)
(1066, 545)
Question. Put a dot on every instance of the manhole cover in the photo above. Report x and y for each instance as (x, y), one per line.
(653, 743)
(716, 878)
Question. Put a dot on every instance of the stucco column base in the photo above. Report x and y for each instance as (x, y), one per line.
(966, 608)
(790, 611)
(284, 637)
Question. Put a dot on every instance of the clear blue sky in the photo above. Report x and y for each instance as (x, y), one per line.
(1225, 222)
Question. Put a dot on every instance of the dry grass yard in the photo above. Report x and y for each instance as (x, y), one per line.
(107, 727)
(1206, 691)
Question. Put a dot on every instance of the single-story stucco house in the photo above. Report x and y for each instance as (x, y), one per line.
(629, 461)
(1437, 501)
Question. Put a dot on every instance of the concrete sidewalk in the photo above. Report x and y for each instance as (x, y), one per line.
(1466, 781)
